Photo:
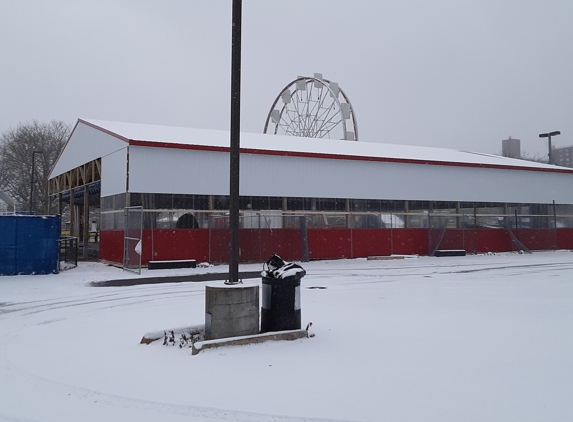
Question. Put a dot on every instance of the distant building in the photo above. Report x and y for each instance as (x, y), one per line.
(563, 156)
(511, 148)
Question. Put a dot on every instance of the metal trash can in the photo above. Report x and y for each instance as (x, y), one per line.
(280, 308)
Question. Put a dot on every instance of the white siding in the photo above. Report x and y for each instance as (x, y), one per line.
(85, 144)
(114, 172)
(326, 178)
(169, 170)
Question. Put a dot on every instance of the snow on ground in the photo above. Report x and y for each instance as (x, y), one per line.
(476, 338)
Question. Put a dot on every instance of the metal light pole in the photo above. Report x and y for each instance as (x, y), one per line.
(32, 178)
(235, 144)
(548, 136)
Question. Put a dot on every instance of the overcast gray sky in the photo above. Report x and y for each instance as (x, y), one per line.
(447, 73)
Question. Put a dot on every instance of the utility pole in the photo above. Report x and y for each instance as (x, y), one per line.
(235, 144)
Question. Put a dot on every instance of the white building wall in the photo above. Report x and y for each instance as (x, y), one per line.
(180, 171)
(114, 172)
(85, 144)
(326, 178)
(170, 170)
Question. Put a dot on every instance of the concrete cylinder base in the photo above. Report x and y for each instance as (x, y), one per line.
(231, 311)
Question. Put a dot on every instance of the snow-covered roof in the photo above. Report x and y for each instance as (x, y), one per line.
(180, 137)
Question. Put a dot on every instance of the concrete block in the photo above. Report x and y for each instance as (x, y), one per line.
(231, 311)
(384, 257)
(254, 339)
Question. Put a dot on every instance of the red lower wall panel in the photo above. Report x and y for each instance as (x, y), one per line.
(565, 238)
(537, 239)
(169, 244)
(250, 245)
(258, 245)
(366, 242)
(329, 243)
(287, 243)
(111, 245)
(255, 245)
(173, 244)
(410, 241)
(219, 251)
(491, 240)
(453, 239)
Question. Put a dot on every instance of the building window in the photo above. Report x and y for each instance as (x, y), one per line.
(299, 204)
(221, 202)
(331, 204)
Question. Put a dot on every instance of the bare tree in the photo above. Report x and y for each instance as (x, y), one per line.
(537, 158)
(3, 174)
(30, 144)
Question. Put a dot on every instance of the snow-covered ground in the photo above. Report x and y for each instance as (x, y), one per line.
(476, 338)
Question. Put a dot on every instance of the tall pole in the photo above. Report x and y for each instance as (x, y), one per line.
(235, 144)
(32, 177)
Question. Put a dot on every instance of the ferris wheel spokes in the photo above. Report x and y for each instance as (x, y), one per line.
(311, 107)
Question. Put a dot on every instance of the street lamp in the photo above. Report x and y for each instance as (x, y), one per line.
(32, 178)
(548, 136)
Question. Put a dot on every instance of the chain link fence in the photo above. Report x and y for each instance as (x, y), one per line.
(68, 253)
(325, 235)
(132, 246)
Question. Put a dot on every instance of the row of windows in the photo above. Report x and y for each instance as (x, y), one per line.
(159, 201)
(185, 219)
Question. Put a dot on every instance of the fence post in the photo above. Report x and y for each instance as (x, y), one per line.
(304, 239)
(555, 226)
(392, 233)
(464, 232)
(429, 231)
(260, 237)
(475, 231)
(516, 226)
(209, 223)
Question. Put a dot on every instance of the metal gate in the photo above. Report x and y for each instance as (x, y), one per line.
(132, 243)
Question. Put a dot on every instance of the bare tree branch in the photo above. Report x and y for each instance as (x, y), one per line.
(17, 148)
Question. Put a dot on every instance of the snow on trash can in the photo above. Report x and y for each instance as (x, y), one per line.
(280, 309)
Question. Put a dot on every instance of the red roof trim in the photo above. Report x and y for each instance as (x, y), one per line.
(109, 132)
(341, 157)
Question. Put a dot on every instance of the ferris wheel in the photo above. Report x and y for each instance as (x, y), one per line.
(312, 107)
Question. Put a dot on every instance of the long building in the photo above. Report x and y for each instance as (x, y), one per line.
(347, 199)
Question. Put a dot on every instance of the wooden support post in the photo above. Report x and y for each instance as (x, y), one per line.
(86, 219)
(72, 214)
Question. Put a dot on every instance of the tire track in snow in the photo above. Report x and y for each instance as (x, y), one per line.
(50, 305)
(101, 401)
